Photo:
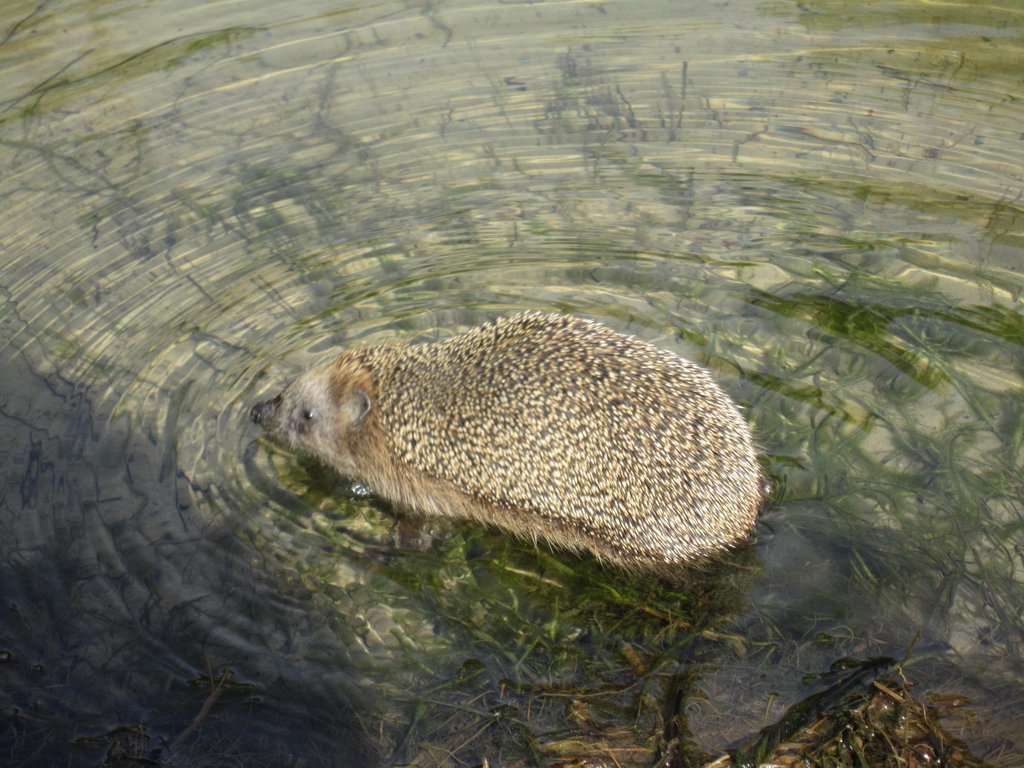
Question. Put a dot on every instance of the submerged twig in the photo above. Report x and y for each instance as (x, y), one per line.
(215, 694)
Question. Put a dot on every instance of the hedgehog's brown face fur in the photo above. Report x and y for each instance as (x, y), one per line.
(324, 413)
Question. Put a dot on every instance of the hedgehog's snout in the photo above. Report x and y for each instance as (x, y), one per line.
(264, 412)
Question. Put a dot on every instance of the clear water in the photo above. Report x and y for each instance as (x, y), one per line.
(822, 202)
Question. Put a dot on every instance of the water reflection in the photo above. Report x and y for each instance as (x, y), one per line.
(823, 206)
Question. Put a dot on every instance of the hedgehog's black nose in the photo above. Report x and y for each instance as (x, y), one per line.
(260, 412)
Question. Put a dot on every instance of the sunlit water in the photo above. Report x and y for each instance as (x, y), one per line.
(824, 205)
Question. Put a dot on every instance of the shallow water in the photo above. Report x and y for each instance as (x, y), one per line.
(823, 205)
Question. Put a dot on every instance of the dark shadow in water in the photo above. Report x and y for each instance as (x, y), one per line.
(134, 631)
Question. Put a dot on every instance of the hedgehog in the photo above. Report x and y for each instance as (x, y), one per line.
(549, 426)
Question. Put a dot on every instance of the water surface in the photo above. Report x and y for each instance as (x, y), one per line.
(823, 204)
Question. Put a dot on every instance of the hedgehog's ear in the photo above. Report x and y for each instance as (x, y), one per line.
(357, 405)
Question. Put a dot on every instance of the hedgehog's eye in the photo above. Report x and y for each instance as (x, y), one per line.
(307, 414)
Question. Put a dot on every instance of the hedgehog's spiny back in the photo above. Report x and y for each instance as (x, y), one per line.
(607, 436)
